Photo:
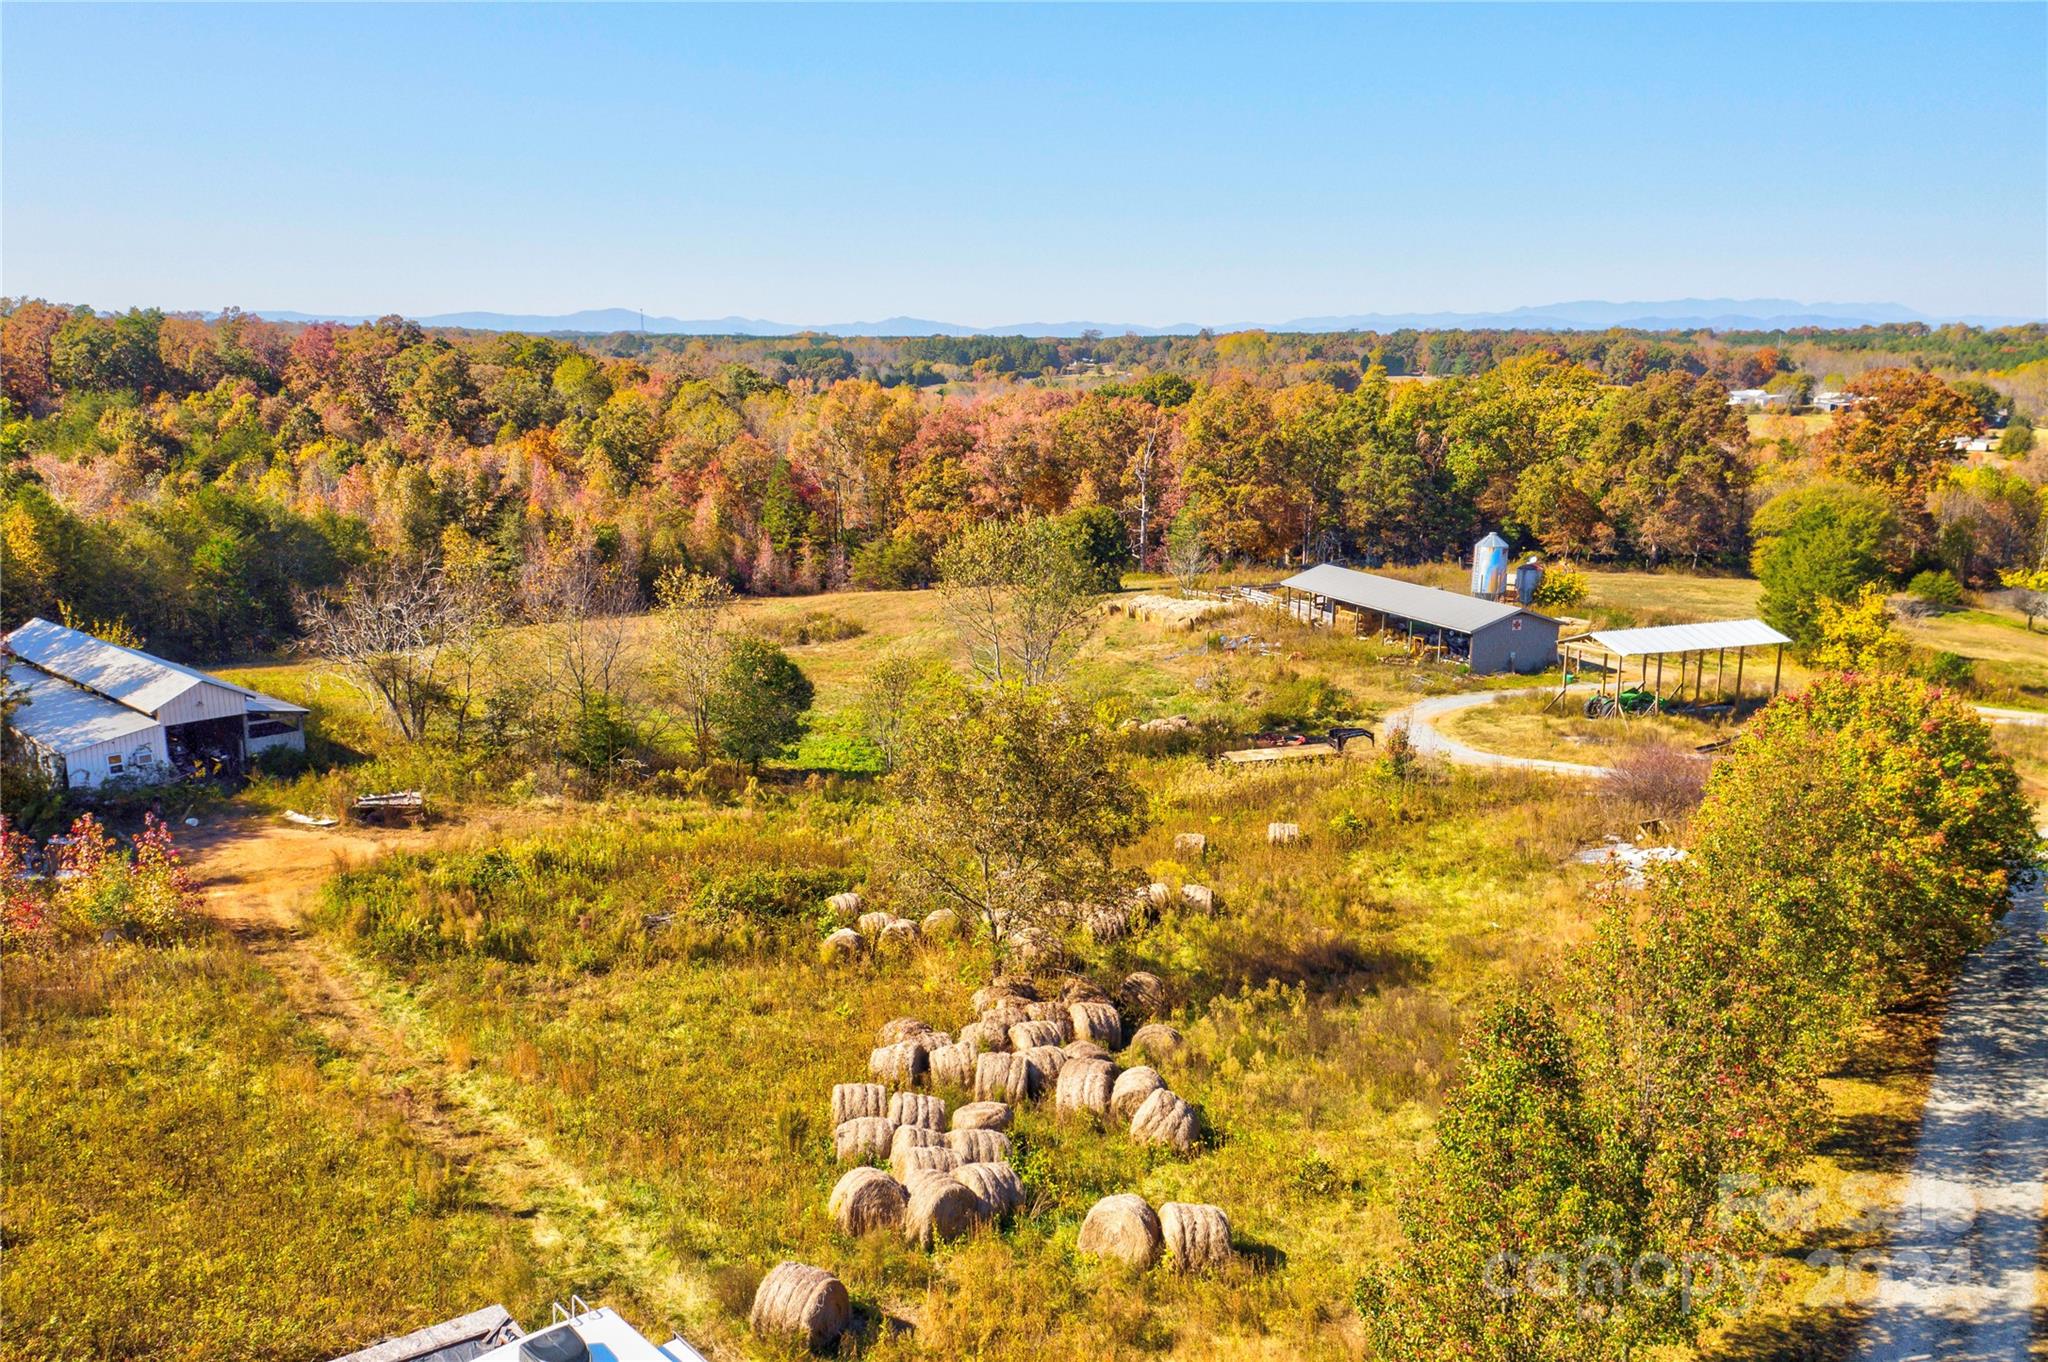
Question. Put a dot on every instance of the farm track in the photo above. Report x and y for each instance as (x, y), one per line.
(257, 881)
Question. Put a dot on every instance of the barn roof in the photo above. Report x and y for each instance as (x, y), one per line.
(138, 680)
(62, 718)
(1710, 636)
(1392, 596)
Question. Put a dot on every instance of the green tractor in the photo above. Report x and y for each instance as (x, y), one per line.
(1629, 700)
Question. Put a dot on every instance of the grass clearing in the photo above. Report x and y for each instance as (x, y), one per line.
(1531, 726)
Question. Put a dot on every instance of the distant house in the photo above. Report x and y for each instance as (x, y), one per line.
(96, 711)
(1830, 400)
(1758, 397)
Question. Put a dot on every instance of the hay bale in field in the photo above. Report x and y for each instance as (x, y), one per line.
(985, 1036)
(902, 1064)
(1035, 947)
(1083, 1049)
(1133, 1086)
(1157, 1040)
(1054, 1011)
(1121, 1227)
(915, 1137)
(871, 924)
(988, 995)
(1027, 1035)
(982, 1116)
(1190, 844)
(1196, 1236)
(913, 1158)
(795, 1301)
(940, 1209)
(1098, 1022)
(1001, 1078)
(847, 903)
(1079, 990)
(1006, 1013)
(918, 1177)
(1084, 1086)
(929, 1041)
(862, 1139)
(940, 924)
(1162, 1118)
(1199, 897)
(952, 1066)
(1105, 923)
(1158, 893)
(979, 1146)
(851, 1100)
(866, 1200)
(995, 1185)
(900, 1029)
(900, 934)
(1282, 834)
(1143, 993)
(917, 1109)
(842, 945)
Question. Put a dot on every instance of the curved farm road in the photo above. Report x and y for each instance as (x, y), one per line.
(1962, 1277)
(257, 879)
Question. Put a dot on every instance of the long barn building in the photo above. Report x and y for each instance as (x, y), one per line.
(95, 711)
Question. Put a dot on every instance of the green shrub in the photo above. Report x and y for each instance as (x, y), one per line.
(1952, 671)
(898, 564)
(813, 626)
(769, 893)
(1937, 586)
(1561, 589)
(1296, 701)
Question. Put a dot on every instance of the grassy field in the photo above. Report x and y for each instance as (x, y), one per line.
(1531, 727)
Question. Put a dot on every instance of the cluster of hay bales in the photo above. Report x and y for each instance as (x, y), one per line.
(879, 932)
(804, 1303)
(1193, 1237)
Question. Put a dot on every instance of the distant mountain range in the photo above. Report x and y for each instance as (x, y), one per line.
(1679, 314)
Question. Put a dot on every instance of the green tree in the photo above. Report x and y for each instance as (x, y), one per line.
(1103, 544)
(757, 709)
(1825, 542)
(1020, 595)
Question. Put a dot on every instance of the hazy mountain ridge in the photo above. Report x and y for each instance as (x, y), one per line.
(1681, 314)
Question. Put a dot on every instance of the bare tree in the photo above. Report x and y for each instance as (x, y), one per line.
(584, 656)
(1021, 595)
(403, 634)
(1187, 553)
(694, 634)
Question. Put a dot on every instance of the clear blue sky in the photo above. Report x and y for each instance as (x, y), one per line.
(986, 165)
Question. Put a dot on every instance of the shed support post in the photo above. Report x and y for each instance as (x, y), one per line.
(1779, 674)
(1740, 653)
(1721, 674)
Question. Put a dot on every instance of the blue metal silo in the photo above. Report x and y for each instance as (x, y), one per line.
(1490, 567)
(1528, 577)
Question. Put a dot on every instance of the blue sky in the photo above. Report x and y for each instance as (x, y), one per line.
(983, 165)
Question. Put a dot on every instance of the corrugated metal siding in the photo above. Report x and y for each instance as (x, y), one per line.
(88, 766)
(204, 701)
(1501, 647)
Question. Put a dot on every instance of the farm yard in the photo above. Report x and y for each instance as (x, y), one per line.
(574, 1044)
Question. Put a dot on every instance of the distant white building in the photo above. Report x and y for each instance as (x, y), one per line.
(96, 711)
(1828, 399)
(1758, 397)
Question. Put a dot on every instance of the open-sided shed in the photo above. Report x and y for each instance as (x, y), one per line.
(1609, 653)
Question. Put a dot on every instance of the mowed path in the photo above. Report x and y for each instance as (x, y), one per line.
(1962, 1275)
(258, 878)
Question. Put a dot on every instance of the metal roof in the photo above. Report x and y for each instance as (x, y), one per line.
(137, 679)
(62, 718)
(1392, 596)
(1710, 636)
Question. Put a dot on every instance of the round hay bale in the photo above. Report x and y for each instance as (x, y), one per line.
(1028, 1035)
(1001, 1078)
(952, 1066)
(1121, 1227)
(1196, 1236)
(1054, 1011)
(917, 1109)
(929, 1041)
(862, 1139)
(915, 1137)
(1143, 993)
(842, 945)
(847, 903)
(1158, 893)
(807, 1303)
(1043, 1064)
(1035, 947)
(1006, 1013)
(850, 1100)
(940, 924)
(1098, 1022)
(1105, 923)
(1083, 1049)
(918, 1177)
(1085, 1086)
(902, 1064)
(913, 1158)
(1201, 898)
(866, 1200)
(985, 1036)
(1156, 1041)
(1192, 844)
(1162, 1118)
(1282, 834)
(979, 1146)
(995, 1185)
(982, 1116)
(900, 934)
(940, 1210)
(988, 995)
(870, 925)
(1079, 990)
(900, 1029)
(1133, 1086)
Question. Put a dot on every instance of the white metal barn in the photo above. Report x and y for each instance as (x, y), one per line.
(96, 711)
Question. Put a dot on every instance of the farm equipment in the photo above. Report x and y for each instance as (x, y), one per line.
(1340, 736)
(1278, 739)
(1629, 700)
